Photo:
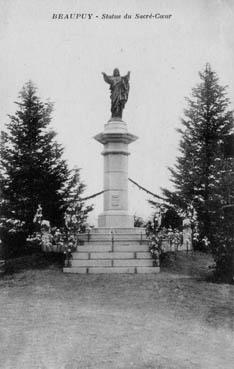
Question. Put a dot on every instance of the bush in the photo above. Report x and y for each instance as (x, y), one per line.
(138, 221)
(223, 252)
(222, 247)
(13, 238)
(224, 267)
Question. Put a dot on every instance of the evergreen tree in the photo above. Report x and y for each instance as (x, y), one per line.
(170, 219)
(202, 176)
(33, 170)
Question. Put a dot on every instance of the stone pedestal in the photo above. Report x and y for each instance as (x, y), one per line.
(115, 246)
(115, 139)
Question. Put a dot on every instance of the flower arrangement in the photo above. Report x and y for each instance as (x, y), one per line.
(54, 239)
(155, 241)
(157, 235)
(174, 237)
(69, 247)
(155, 250)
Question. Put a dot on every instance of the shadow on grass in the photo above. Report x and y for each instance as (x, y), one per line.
(193, 264)
(39, 260)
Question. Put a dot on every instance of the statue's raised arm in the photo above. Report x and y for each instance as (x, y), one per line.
(127, 77)
(107, 78)
(119, 87)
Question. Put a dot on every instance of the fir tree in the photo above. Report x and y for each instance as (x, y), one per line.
(202, 176)
(33, 170)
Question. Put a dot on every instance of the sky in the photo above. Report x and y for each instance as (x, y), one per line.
(65, 58)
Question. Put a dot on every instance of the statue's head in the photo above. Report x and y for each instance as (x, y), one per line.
(116, 72)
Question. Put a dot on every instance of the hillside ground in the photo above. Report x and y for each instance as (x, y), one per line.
(176, 319)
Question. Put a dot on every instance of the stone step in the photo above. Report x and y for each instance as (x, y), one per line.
(143, 255)
(118, 229)
(119, 247)
(101, 230)
(103, 252)
(110, 255)
(89, 263)
(133, 262)
(94, 248)
(81, 255)
(115, 237)
(108, 242)
(111, 270)
(125, 270)
(111, 262)
(131, 248)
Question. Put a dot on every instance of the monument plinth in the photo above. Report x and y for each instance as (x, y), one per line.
(115, 246)
(115, 139)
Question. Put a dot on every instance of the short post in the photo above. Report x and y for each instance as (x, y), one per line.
(187, 234)
(112, 240)
(2, 266)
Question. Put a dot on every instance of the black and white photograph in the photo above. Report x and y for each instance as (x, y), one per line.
(117, 184)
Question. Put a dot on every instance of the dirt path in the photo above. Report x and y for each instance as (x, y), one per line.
(56, 321)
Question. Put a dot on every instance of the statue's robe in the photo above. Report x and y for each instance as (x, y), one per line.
(119, 87)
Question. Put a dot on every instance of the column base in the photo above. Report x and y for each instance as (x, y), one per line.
(113, 220)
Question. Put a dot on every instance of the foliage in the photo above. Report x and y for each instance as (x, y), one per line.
(161, 239)
(12, 237)
(171, 219)
(223, 247)
(203, 177)
(201, 173)
(31, 160)
(174, 238)
(33, 170)
(138, 221)
(155, 250)
(62, 240)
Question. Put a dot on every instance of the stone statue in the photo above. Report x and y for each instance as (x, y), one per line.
(119, 87)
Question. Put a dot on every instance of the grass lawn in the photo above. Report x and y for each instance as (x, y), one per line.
(51, 320)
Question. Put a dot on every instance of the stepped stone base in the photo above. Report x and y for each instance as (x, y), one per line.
(99, 270)
(106, 250)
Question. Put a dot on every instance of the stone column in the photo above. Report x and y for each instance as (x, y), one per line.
(115, 140)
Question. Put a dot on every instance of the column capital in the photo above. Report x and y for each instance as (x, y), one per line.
(115, 130)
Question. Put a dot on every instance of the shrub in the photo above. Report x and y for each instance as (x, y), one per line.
(58, 240)
(13, 238)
